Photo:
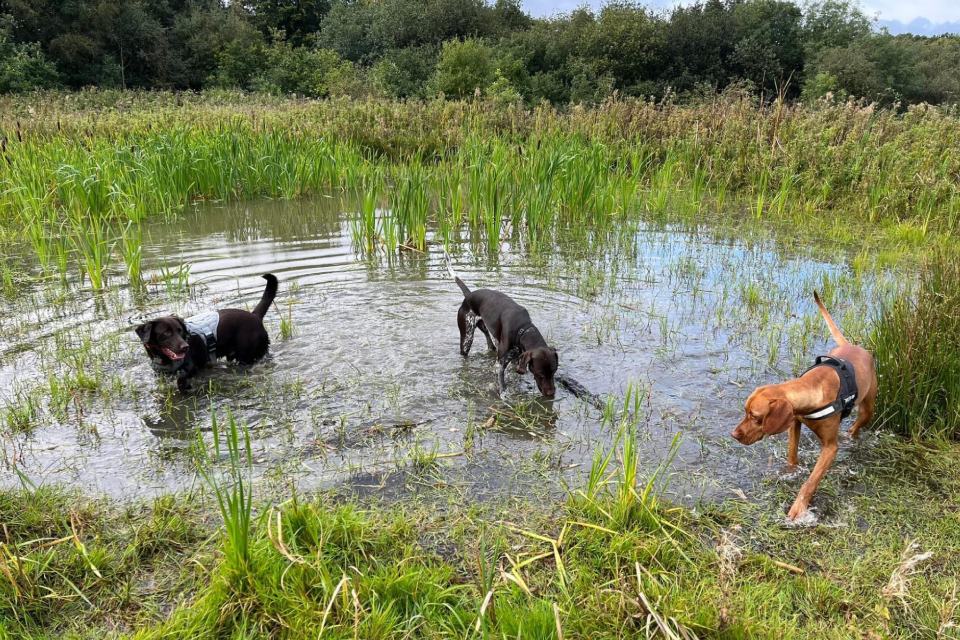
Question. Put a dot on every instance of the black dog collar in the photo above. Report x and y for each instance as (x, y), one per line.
(847, 396)
(524, 330)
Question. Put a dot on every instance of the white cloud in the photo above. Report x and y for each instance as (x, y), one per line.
(933, 10)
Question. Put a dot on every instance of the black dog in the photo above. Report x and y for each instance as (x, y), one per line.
(513, 336)
(185, 346)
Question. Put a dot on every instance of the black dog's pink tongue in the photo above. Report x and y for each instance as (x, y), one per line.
(170, 354)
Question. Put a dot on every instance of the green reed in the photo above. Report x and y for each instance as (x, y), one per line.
(916, 342)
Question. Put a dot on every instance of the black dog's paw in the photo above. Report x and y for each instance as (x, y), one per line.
(183, 385)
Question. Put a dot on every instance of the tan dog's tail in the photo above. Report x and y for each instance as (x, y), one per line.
(834, 329)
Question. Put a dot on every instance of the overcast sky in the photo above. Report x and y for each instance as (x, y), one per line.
(890, 12)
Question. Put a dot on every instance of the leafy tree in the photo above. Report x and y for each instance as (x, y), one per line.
(769, 44)
(627, 46)
(879, 68)
(393, 47)
(219, 47)
(347, 30)
(509, 16)
(297, 19)
(698, 45)
(833, 23)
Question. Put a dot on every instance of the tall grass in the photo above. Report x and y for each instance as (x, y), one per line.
(75, 177)
(916, 341)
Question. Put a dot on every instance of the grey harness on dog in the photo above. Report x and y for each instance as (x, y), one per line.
(205, 325)
(847, 396)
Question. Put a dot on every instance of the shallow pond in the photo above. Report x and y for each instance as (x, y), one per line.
(370, 386)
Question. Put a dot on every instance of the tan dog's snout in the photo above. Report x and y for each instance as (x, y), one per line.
(764, 418)
(745, 433)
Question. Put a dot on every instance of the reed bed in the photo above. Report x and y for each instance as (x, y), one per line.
(917, 344)
(80, 169)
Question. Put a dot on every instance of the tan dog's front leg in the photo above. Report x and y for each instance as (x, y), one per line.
(793, 444)
(827, 456)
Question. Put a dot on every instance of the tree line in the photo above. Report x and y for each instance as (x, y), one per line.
(461, 48)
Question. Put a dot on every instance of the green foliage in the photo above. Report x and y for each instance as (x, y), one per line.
(502, 92)
(309, 72)
(917, 345)
(833, 23)
(65, 560)
(400, 72)
(73, 182)
(465, 67)
(23, 66)
(298, 21)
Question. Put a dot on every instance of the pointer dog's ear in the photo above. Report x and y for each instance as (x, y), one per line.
(524, 361)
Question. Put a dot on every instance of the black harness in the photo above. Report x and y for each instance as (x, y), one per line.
(210, 340)
(846, 398)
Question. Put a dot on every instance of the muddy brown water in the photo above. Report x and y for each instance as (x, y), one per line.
(371, 382)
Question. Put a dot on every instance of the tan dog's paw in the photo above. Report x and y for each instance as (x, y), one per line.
(806, 519)
(798, 509)
(790, 471)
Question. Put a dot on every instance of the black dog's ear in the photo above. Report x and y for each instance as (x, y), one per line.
(183, 325)
(525, 359)
(144, 331)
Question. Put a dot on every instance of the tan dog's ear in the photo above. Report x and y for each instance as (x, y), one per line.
(779, 418)
(525, 359)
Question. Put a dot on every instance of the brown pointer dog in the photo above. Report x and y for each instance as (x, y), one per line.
(509, 330)
(813, 399)
(183, 346)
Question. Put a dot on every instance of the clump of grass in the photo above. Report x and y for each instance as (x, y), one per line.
(286, 323)
(916, 341)
(233, 492)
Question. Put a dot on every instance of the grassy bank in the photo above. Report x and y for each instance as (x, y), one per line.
(83, 171)
(614, 561)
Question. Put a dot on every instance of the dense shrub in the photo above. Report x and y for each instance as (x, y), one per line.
(464, 68)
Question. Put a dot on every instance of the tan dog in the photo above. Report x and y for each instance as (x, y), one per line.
(814, 399)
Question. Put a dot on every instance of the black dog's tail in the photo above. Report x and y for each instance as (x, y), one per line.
(453, 274)
(268, 295)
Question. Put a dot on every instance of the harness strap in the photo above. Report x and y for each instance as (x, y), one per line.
(210, 340)
(846, 396)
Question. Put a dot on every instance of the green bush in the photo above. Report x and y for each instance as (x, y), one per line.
(917, 345)
(23, 67)
(401, 72)
(465, 66)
